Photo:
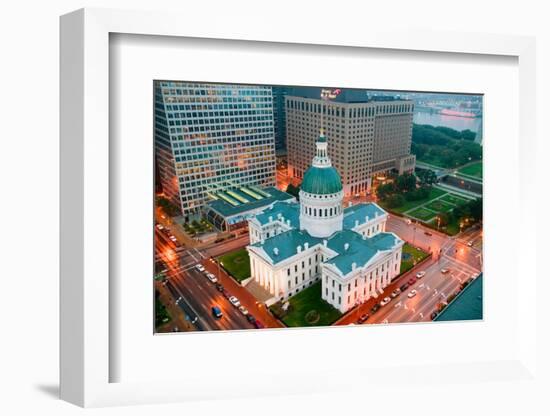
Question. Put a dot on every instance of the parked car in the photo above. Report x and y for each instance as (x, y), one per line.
(363, 318)
(412, 294)
(160, 227)
(258, 324)
(433, 315)
(226, 293)
(250, 318)
(395, 293)
(211, 277)
(409, 221)
(445, 271)
(219, 287)
(375, 308)
(470, 243)
(421, 274)
(385, 301)
(404, 287)
(243, 310)
(199, 267)
(411, 281)
(217, 312)
(234, 301)
(429, 234)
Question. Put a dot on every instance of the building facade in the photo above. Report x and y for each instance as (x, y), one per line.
(211, 137)
(279, 116)
(295, 244)
(365, 135)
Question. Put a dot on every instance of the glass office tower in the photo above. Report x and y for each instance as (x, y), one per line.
(210, 137)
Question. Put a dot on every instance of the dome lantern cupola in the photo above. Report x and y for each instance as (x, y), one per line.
(321, 177)
(321, 194)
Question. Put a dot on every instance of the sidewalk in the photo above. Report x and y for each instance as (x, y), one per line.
(256, 308)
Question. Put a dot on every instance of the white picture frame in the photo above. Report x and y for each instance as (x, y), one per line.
(85, 212)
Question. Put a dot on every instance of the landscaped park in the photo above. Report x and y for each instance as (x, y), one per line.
(430, 204)
(411, 256)
(237, 264)
(473, 170)
(306, 309)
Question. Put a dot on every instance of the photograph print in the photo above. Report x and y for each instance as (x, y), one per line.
(293, 206)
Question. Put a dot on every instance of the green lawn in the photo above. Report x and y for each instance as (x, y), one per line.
(452, 228)
(439, 206)
(411, 255)
(453, 199)
(434, 193)
(161, 314)
(237, 263)
(475, 170)
(422, 214)
(308, 309)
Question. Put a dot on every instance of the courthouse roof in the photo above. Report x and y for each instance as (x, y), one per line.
(283, 246)
(321, 181)
(359, 212)
(281, 210)
(353, 248)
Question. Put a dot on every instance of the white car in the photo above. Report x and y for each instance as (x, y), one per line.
(211, 277)
(199, 267)
(385, 301)
(412, 294)
(174, 239)
(421, 274)
(160, 227)
(409, 221)
(234, 301)
(445, 271)
(243, 310)
(470, 243)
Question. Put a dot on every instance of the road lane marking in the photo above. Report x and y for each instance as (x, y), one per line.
(203, 322)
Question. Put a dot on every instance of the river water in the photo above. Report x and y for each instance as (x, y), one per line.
(457, 123)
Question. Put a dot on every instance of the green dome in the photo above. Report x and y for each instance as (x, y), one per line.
(321, 181)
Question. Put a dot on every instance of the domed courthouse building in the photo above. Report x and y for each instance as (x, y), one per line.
(293, 244)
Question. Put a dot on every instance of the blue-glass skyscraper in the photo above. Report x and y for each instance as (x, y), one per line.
(212, 137)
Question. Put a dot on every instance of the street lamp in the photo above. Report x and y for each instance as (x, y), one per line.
(219, 272)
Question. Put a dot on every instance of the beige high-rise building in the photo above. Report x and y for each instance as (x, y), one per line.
(365, 136)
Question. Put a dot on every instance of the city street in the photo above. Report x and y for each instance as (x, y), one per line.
(415, 234)
(198, 294)
(461, 260)
(461, 255)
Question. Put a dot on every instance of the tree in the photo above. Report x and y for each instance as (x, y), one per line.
(395, 201)
(405, 182)
(426, 176)
(293, 190)
(443, 219)
(467, 135)
(444, 146)
(476, 208)
(168, 207)
(385, 190)
(418, 194)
